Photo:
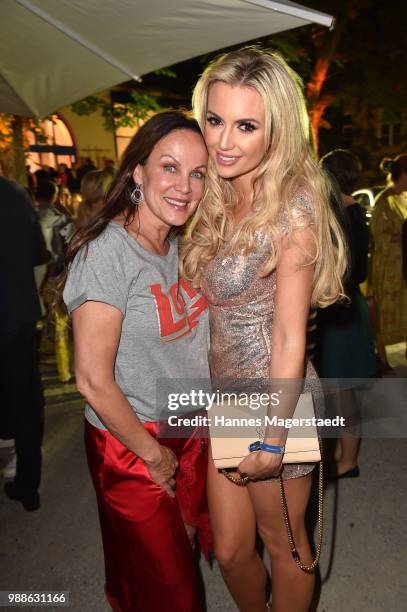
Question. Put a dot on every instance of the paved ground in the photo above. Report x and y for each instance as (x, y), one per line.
(58, 547)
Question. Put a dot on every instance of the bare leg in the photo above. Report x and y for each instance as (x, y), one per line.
(375, 318)
(292, 589)
(338, 451)
(348, 459)
(346, 454)
(381, 351)
(234, 530)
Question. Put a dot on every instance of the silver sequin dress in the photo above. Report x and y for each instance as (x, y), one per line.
(241, 308)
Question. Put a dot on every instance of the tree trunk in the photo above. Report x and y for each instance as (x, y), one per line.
(19, 173)
(316, 115)
(317, 106)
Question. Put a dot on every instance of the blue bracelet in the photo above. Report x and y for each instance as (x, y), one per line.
(268, 448)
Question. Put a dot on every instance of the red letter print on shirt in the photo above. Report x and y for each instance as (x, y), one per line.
(174, 319)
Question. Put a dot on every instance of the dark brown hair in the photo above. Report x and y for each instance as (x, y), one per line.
(117, 200)
(344, 166)
(395, 166)
(94, 186)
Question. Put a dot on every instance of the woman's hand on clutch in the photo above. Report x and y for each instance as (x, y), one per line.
(260, 464)
(163, 470)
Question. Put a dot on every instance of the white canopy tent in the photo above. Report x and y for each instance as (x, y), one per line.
(54, 52)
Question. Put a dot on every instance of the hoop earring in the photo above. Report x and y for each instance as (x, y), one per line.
(137, 194)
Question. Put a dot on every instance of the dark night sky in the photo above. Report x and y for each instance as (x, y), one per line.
(369, 16)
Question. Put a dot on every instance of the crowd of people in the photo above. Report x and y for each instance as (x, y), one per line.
(222, 227)
(65, 200)
(58, 205)
(66, 176)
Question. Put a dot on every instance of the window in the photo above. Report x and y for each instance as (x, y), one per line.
(390, 134)
(59, 148)
(397, 134)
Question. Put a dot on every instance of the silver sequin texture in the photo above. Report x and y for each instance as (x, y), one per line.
(241, 310)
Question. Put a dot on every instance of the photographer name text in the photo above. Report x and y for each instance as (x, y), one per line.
(266, 421)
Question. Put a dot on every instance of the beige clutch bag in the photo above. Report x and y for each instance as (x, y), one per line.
(302, 445)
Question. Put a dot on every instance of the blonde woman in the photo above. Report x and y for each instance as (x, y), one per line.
(387, 283)
(261, 248)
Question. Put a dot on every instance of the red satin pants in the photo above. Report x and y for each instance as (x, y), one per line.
(149, 561)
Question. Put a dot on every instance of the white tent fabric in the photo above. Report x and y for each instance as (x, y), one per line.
(54, 52)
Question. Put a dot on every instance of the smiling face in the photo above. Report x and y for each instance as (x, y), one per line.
(235, 130)
(173, 179)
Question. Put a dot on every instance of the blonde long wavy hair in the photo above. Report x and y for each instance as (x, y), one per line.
(287, 170)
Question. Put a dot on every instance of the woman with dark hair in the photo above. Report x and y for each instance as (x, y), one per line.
(387, 282)
(135, 323)
(344, 347)
(94, 187)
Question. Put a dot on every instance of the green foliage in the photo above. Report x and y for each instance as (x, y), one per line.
(128, 114)
(87, 106)
(166, 72)
(294, 47)
(117, 115)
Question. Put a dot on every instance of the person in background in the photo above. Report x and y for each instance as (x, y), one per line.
(22, 247)
(63, 203)
(94, 187)
(44, 175)
(387, 282)
(46, 197)
(344, 346)
(55, 221)
(76, 201)
(63, 175)
(74, 183)
(110, 167)
(57, 229)
(86, 167)
(31, 179)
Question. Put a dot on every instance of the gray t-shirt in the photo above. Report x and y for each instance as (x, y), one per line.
(165, 324)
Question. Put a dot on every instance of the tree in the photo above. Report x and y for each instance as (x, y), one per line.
(13, 129)
(14, 144)
(360, 59)
(137, 107)
(117, 115)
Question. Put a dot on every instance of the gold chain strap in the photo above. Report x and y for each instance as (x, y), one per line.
(305, 568)
(241, 482)
(309, 569)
